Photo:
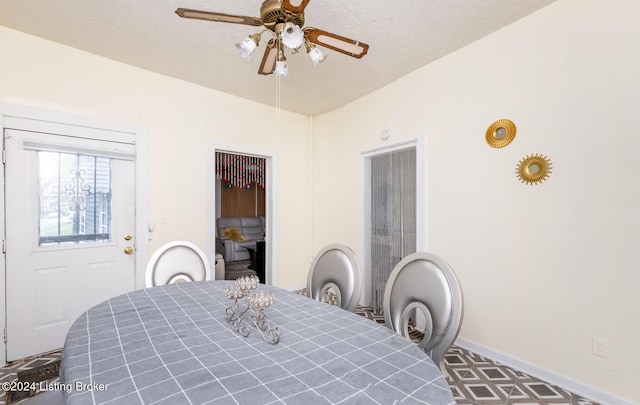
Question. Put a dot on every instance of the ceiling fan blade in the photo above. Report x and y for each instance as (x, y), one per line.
(219, 17)
(294, 6)
(268, 64)
(336, 42)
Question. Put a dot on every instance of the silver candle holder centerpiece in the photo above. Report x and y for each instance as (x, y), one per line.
(249, 309)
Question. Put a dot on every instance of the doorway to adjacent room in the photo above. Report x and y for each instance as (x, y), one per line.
(241, 192)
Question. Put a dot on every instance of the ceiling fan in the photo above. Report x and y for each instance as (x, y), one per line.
(284, 20)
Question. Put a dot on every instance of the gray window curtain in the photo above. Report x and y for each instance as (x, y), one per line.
(393, 215)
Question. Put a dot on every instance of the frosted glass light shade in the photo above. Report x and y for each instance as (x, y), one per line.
(246, 47)
(316, 56)
(281, 68)
(292, 36)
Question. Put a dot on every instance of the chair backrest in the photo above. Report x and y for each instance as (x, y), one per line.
(177, 262)
(253, 227)
(423, 282)
(335, 267)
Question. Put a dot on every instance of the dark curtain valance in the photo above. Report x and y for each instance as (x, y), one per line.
(240, 170)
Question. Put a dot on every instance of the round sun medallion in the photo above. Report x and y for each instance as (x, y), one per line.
(501, 133)
(533, 169)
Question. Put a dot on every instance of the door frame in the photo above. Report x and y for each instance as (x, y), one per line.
(27, 118)
(420, 144)
(271, 203)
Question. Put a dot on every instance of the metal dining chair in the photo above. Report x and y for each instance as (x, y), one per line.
(423, 294)
(177, 262)
(335, 270)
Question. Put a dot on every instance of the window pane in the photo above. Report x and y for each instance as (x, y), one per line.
(74, 198)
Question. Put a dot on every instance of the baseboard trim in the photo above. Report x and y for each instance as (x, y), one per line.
(584, 390)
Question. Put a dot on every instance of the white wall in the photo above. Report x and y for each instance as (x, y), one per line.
(544, 268)
(182, 119)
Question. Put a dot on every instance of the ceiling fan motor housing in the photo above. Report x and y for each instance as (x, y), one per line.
(271, 13)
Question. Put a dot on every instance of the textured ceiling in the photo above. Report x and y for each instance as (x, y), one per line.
(403, 36)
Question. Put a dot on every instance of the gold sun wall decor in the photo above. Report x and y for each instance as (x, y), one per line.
(501, 133)
(533, 169)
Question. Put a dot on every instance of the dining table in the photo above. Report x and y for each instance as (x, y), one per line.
(173, 344)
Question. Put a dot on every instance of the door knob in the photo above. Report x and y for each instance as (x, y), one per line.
(128, 250)
(127, 237)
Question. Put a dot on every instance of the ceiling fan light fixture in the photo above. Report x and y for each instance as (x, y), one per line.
(281, 68)
(284, 21)
(248, 46)
(316, 56)
(292, 36)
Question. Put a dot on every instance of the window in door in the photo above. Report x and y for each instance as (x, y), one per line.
(74, 194)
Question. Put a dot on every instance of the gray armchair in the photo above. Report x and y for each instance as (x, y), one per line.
(235, 234)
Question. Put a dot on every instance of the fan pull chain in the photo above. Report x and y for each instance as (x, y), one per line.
(278, 97)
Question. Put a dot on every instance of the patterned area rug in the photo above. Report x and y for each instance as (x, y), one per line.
(43, 368)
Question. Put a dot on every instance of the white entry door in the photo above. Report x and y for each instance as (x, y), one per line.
(70, 218)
